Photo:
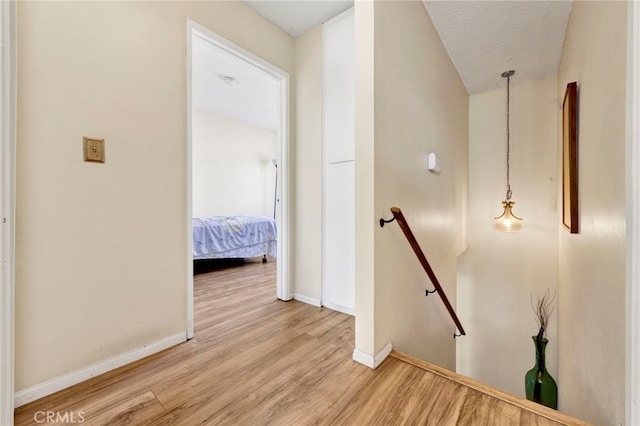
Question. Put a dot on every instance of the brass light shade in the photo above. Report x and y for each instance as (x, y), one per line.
(507, 221)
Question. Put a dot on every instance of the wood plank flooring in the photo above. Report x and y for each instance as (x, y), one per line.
(255, 360)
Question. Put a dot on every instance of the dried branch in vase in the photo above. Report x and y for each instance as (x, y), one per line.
(543, 310)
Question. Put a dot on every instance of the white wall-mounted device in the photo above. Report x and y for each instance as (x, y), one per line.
(433, 162)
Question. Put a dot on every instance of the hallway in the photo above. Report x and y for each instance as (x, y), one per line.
(258, 360)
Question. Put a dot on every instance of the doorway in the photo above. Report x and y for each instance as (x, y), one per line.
(224, 48)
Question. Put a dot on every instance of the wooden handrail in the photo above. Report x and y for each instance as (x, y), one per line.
(397, 215)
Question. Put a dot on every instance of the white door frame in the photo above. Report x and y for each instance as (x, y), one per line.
(283, 290)
(8, 110)
(632, 167)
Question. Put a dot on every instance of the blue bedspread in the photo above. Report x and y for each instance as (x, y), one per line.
(234, 236)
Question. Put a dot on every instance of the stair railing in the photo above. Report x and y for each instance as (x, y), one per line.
(397, 215)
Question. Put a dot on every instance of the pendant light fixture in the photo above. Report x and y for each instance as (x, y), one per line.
(507, 221)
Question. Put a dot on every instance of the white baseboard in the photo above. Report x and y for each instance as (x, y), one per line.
(56, 384)
(372, 361)
(340, 308)
(308, 300)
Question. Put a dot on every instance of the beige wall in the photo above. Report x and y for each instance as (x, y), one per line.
(101, 261)
(500, 272)
(308, 164)
(232, 169)
(421, 106)
(591, 323)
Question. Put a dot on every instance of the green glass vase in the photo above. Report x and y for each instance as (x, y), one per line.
(539, 385)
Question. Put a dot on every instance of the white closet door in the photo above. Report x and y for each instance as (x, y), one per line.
(339, 88)
(339, 164)
(339, 233)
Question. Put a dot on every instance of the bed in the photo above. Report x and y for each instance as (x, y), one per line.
(219, 237)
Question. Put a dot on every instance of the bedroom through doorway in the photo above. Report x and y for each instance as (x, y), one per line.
(238, 169)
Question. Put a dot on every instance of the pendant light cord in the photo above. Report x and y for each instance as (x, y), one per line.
(508, 196)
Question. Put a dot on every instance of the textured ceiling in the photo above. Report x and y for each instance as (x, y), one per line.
(297, 16)
(485, 38)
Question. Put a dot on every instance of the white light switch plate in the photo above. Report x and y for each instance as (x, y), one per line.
(433, 162)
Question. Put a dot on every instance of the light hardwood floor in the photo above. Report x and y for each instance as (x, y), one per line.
(257, 360)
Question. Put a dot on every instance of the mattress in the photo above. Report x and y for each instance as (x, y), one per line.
(240, 236)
